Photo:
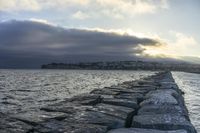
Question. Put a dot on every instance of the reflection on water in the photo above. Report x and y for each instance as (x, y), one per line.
(29, 89)
(190, 84)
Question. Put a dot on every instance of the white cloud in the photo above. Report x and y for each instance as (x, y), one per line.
(63, 4)
(183, 39)
(117, 9)
(17, 5)
(43, 21)
(37, 5)
(132, 7)
(125, 31)
(164, 4)
(80, 15)
(77, 2)
(183, 45)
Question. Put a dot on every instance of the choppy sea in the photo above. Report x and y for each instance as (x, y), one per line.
(190, 84)
(23, 90)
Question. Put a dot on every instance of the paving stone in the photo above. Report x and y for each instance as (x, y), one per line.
(36, 117)
(65, 107)
(163, 122)
(160, 97)
(139, 130)
(111, 116)
(65, 127)
(95, 117)
(86, 99)
(160, 100)
(113, 90)
(147, 82)
(121, 102)
(130, 96)
(171, 85)
(113, 110)
(142, 90)
(155, 93)
(104, 91)
(162, 109)
(10, 125)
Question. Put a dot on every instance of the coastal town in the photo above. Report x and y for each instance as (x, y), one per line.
(126, 65)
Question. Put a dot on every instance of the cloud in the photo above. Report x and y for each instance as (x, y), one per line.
(82, 8)
(18, 5)
(182, 45)
(41, 21)
(131, 8)
(37, 5)
(63, 4)
(34, 43)
(128, 6)
(80, 15)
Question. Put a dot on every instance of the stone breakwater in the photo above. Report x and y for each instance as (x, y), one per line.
(150, 105)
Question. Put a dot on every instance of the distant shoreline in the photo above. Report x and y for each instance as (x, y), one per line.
(126, 65)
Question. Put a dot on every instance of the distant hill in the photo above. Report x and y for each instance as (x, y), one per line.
(126, 65)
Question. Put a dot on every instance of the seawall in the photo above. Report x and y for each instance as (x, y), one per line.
(154, 104)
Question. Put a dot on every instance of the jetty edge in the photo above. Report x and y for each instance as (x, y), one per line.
(154, 104)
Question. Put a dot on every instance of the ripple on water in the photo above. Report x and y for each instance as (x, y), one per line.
(190, 84)
(24, 90)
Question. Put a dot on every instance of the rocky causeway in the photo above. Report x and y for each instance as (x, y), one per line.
(154, 104)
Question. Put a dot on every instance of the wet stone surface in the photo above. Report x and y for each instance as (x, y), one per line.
(139, 130)
(10, 125)
(54, 126)
(150, 105)
(159, 109)
(113, 110)
(121, 102)
(163, 122)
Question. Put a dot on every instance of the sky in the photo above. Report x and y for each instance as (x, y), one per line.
(35, 32)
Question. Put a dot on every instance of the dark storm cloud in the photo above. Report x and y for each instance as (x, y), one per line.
(28, 43)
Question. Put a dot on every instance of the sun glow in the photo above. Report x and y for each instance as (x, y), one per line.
(158, 51)
(183, 45)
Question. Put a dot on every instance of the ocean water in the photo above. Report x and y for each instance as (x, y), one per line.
(24, 90)
(190, 84)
